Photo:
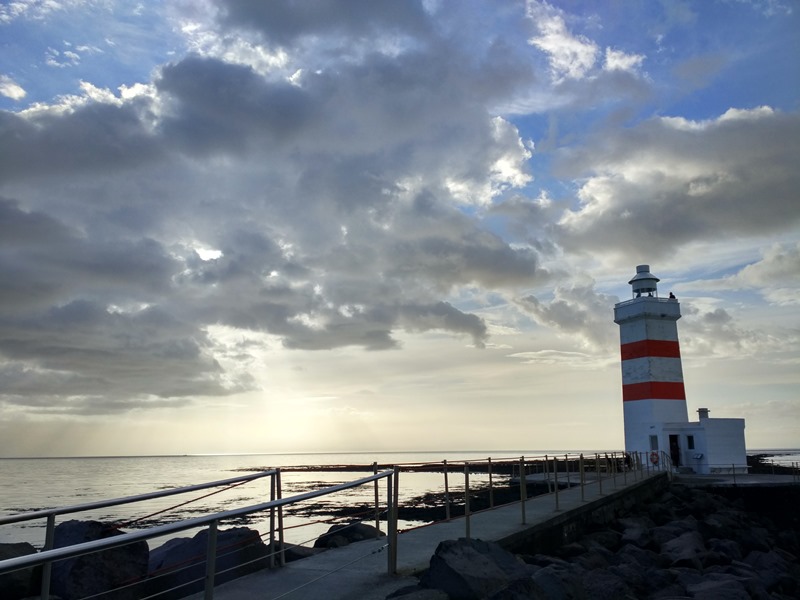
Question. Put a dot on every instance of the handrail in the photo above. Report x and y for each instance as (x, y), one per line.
(40, 514)
(31, 560)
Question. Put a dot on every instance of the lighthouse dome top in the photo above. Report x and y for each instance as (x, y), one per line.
(644, 282)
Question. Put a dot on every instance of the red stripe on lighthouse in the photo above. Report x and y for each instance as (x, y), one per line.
(653, 390)
(640, 349)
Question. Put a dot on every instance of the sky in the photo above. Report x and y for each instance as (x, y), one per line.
(372, 225)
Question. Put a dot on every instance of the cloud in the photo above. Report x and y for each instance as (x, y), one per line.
(10, 88)
(577, 311)
(669, 181)
(776, 275)
(616, 60)
(571, 56)
(282, 23)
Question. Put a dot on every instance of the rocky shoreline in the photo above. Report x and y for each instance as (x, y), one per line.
(688, 543)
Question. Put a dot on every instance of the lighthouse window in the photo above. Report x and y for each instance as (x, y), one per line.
(653, 442)
(690, 442)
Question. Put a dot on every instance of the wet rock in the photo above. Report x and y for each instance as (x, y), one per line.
(19, 584)
(99, 572)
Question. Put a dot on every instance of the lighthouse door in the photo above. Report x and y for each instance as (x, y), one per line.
(674, 450)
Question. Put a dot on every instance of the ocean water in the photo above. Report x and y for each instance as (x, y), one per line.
(28, 484)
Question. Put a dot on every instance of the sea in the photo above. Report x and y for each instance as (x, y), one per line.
(30, 484)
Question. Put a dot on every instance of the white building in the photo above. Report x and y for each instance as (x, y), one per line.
(653, 394)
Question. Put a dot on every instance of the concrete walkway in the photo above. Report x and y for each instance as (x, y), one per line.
(359, 571)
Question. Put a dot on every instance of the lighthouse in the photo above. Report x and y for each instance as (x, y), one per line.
(653, 393)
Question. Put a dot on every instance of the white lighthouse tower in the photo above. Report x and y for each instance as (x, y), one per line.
(653, 394)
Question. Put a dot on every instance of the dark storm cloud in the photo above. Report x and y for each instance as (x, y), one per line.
(282, 21)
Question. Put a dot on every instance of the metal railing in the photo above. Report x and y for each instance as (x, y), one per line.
(544, 472)
(49, 555)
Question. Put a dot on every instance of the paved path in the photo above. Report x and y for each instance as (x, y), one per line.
(360, 571)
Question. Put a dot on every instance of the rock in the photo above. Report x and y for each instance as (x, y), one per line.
(639, 536)
(415, 592)
(182, 560)
(472, 569)
(685, 550)
(561, 583)
(521, 589)
(99, 572)
(19, 584)
(608, 538)
(602, 584)
(341, 535)
(729, 548)
(718, 588)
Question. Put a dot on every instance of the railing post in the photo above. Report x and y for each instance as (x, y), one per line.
(547, 473)
(446, 493)
(523, 488)
(582, 477)
(272, 545)
(466, 500)
(566, 463)
(613, 468)
(624, 469)
(733, 469)
(279, 494)
(491, 486)
(47, 568)
(211, 560)
(598, 473)
(377, 499)
(555, 479)
(392, 497)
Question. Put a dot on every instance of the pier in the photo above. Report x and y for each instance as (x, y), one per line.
(359, 570)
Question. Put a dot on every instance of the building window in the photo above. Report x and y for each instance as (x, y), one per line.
(690, 442)
(653, 442)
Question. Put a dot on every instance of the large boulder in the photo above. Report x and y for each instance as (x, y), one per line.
(19, 584)
(98, 572)
(342, 535)
(469, 569)
(686, 550)
(181, 561)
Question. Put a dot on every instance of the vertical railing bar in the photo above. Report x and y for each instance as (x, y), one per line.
(624, 470)
(547, 474)
(466, 500)
(555, 479)
(272, 545)
(598, 473)
(281, 539)
(47, 568)
(392, 499)
(566, 462)
(614, 468)
(523, 488)
(377, 500)
(491, 485)
(211, 560)
(582, 478)
(446, 493)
